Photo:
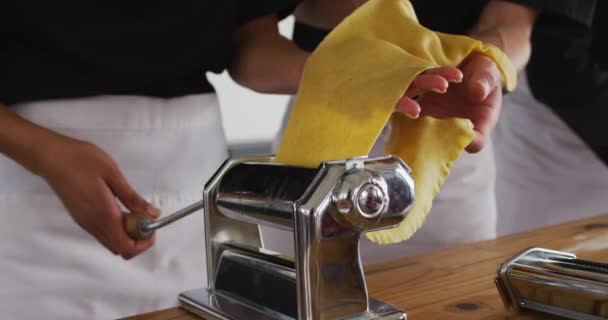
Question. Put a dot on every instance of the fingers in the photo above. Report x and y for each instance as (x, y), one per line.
(113, 230)
(452, 74)
(434, 80)
(120, 242)
(128, 197)
(409, 107)
(103, 239)
(88, 183)
(483, 76)
(478, 143)
(128, 248)
(485, 121)
(427, 83)
(124, 246)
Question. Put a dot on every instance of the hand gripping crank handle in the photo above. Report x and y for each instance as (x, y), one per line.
(140, 226)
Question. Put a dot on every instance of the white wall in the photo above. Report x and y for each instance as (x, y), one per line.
(250, 117)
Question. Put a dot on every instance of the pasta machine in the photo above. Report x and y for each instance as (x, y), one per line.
(328, 208)
(555, 283)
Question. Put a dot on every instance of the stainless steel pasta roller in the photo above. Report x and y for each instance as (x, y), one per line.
(554, 282)
(328, 209)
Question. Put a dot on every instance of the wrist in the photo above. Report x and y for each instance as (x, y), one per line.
(494, 37)
(45, 151)
(297, 70)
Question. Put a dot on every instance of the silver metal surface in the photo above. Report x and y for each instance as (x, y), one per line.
(554, 282)
(371, 200)
(361, 195)
(149, 226)
(328, 208)
(143, 227)
(218, 306)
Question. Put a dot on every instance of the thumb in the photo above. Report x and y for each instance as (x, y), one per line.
(128, 197)
(484, 77)
(480, 89)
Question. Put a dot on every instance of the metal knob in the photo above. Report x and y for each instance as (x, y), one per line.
(361, 197)
(136, 225)
(371, 200)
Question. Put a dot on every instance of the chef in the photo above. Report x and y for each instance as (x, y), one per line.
(465, 209)
(558, 124)
(105, 109)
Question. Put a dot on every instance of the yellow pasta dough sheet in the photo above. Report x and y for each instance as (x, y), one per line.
(349, 90)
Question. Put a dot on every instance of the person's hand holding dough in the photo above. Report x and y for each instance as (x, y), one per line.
(478, 98)
(433, 81)
(374, 62)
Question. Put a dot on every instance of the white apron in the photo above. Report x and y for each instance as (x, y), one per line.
(464, 211)
(546, 173)
(50, 268)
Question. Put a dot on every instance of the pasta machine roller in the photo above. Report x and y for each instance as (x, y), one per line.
(554, 282)
(328, 209)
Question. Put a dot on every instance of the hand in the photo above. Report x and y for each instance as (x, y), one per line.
(434, 80)
(87, 181)
(478, 98)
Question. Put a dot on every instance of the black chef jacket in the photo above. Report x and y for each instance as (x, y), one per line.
(566, 70)
(70, 48)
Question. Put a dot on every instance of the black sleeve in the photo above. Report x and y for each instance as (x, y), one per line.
(580, 11)
(251, 9)
(579, 95)
(587, 118)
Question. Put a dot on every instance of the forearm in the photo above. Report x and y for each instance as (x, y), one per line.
(23, 141)
(508, 26)
(266, 61)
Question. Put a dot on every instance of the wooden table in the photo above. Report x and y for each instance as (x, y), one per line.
(458, 282)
